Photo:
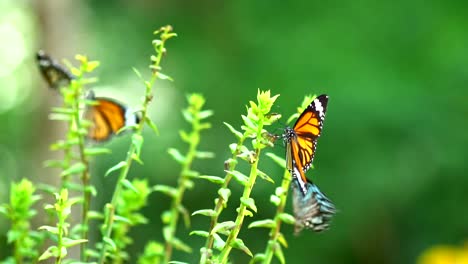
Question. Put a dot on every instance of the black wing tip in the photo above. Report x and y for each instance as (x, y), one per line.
(323, 98)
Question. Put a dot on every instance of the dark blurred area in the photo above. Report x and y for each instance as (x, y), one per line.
(393, 155)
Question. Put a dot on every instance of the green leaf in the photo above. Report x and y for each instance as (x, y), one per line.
(96, 151)
(60, 117)
(67, 242)
(279, 253)
(178, 244)
(167, 233)
(213, 179)
(239, 176)
(50, 229)
(224, 193)
(199, 233)
(279, 191)
(136, 158)
(177, 262)
(264, 176)
(109, 242)
(163, 76)
(119, 218)
(206, 212)
(185, 136)
(52, 251)
(204, 155)
(223, 227)
(205, 114)
(187, 116)
(234, 131)
(280, 161)
(137, 72)
(91, 65)
(152, 125)
(287, 218)
(61, 110)
(275, 200)
(282, 240)
(167, 190)
(177, 155)
(137, 141)
(219, 243)
(239, 244)
(116, 167)
(74, 169)
(248, 123)
(186, 215)
(249, 202)
(267, 223)
(95, 215)
(127, 184)
(260, 257)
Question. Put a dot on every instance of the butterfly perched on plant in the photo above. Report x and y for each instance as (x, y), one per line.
(312, 209)
(108, 116)
(55, 74)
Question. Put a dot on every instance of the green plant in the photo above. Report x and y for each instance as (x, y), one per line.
(195, 115)
(133, 154)
(257, 118)
(19, 211)
(123, 211)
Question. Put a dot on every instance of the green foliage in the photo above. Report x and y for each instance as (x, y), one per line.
(153, 254)
(20, 212)
(123, 211)
(258, 116)
(134, 152)
(60, 232)
(195, 115)
(133, 198)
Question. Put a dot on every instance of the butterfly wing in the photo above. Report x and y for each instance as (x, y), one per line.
(308, 128)
(55, 74)
(301, 140)
(313, 210)
(108, 117)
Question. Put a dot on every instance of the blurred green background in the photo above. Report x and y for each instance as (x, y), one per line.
(393, 155)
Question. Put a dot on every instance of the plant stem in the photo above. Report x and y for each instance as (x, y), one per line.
(110, 208)
(245, 195)
(85, 176)
(219, 205)
(184, 177)
(275, 231)
(242, 210)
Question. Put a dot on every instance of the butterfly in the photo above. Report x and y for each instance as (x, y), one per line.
(108, 116)
(55, 74)
(312, 209)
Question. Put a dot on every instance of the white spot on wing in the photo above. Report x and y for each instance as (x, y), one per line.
(319, 107)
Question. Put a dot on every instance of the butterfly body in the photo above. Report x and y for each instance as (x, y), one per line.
(312, 208)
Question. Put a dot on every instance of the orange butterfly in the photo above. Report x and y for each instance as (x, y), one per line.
(107, 115)
(312, 208)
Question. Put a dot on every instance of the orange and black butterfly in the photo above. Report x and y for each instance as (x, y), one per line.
(107, 116)
(312, 209)
(55, 74)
